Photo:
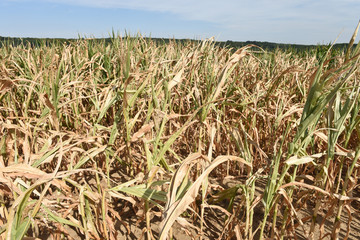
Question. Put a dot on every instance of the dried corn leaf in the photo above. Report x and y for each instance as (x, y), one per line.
(5, 85)
(172, 211)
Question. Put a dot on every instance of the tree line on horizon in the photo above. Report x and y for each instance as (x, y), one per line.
(269, 46)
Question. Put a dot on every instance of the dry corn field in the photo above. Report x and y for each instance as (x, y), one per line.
(135, 139)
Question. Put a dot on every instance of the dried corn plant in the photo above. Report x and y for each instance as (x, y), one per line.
(136, 139)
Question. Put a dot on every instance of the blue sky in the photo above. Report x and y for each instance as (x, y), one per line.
(282, 21)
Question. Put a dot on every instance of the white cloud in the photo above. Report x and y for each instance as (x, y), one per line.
(231, 10)
(252, 17)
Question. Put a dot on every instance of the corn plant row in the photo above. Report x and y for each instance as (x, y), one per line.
(135, 138)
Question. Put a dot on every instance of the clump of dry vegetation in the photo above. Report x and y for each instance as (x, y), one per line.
(139, 139)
